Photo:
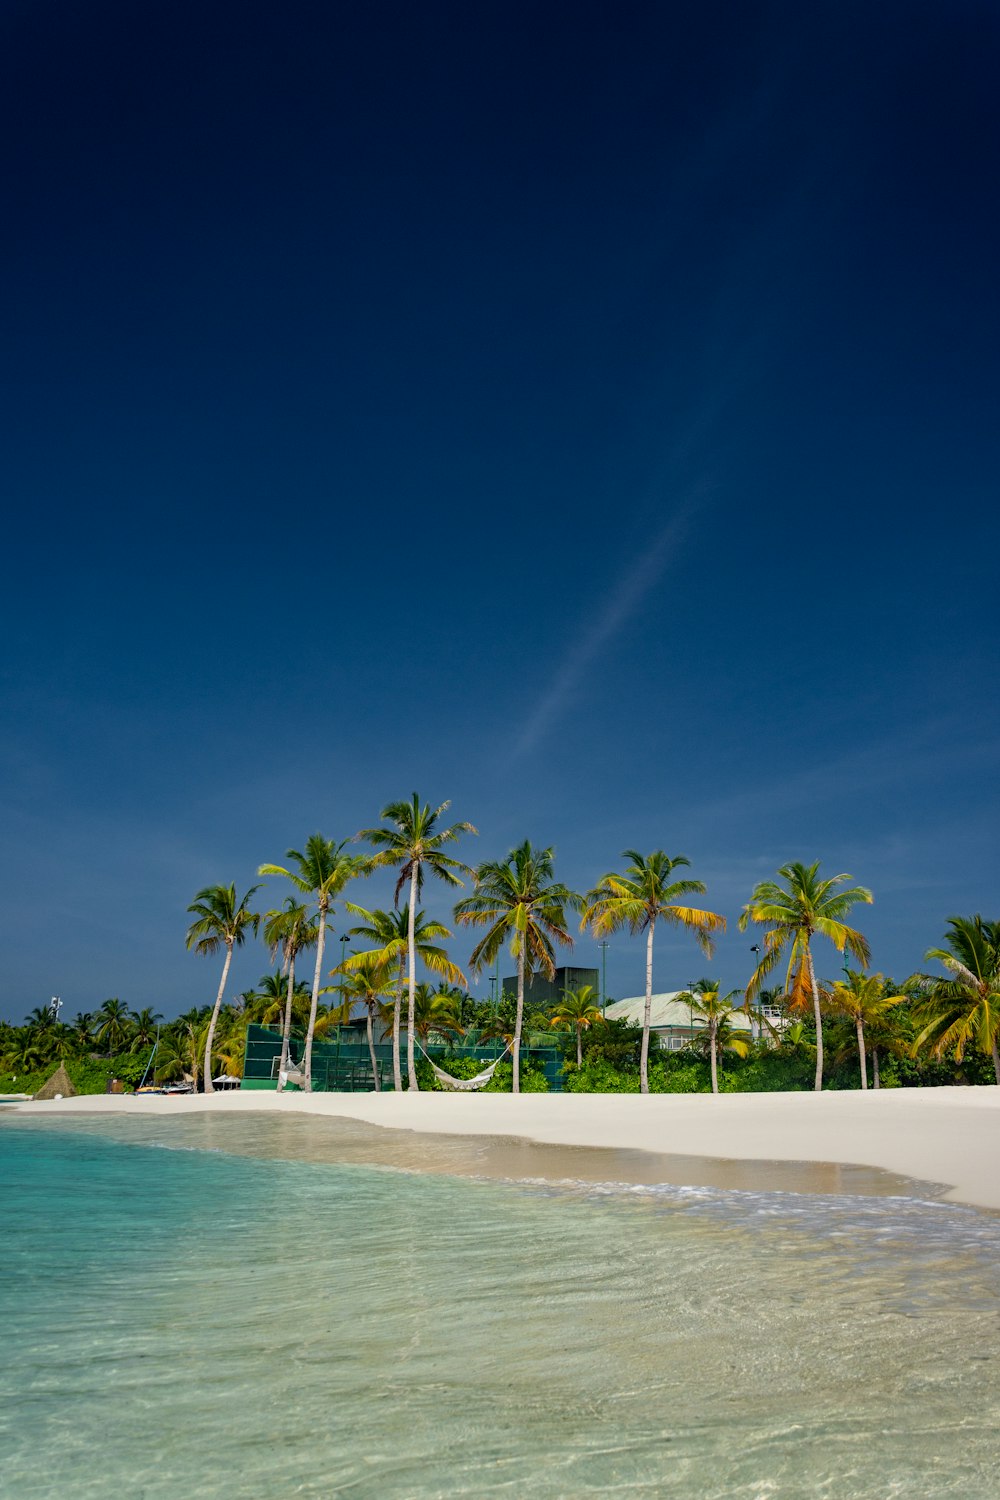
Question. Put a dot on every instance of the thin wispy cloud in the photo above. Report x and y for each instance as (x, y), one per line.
(623, 603)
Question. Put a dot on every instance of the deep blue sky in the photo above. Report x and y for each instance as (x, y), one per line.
(588, 413)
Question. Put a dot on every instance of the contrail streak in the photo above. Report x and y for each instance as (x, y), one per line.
(624, 601)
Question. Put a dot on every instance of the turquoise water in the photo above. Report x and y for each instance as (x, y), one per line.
(201, 1322)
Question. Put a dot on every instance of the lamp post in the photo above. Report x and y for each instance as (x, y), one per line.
(603, 945)
(343, 940)
(755, 948)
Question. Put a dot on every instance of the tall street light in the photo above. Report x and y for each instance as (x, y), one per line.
(603, 945)
(755, 949)
(345, 939)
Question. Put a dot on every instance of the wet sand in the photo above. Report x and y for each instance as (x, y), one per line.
(331, 1138)
(924, 1143)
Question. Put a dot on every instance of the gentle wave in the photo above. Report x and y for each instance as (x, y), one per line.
(226, 1325)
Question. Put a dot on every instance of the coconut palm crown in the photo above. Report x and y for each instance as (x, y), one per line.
(637, 899)
(964, 1007)
(220, 922)
(577, 1010)
(716, 1010)
(322, 872)
(414, 841)
(520, 904)
(114, 1023)
(793, 914)
(864, 999)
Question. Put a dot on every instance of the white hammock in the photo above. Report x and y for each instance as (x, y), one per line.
(465, 1085)
(291, 1074)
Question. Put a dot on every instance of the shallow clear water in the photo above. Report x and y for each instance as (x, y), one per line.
(208, 1323)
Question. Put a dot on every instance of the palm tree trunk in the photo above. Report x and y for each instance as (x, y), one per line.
(209, 1086)
(371, 1054)
(715, 1062)
(314, 1006)
(996, 1058)
(516, 1047)
(644, 1054)
(411, 1009)
(875, 1078)
(579, 1046)
(861, 1051)
(397, 1005)
(818, 1085)
(287, 1023)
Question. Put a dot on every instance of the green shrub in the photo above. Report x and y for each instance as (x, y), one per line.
(599, 1076)
(690, 1077)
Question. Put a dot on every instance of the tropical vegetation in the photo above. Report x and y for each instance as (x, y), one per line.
(320, 873)
(411, 839)
(793, 914)
(860, 1029)
(705, 1000)
(638, 899)
(520, 904)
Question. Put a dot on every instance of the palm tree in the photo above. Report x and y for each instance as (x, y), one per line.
(180, 1049)
(864, 999)
(795, 1040)
(437, 1011)
(230, 1046)
(366, 987)
(891, 1034)
(793, 914)
(114, 1024)
(321, 872)
(25, 1052)
(83, 1027)
(414, 843)
(577, 1011)
(145, 1025)
(644, 895)
(220, 922)
(495, 1028)
(290, 929)
(964, 1007)
(518, 901)
(389, 932)
(716, 1011)
(267, 1004)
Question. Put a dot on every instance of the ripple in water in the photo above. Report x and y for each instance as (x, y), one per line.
(225, 1325)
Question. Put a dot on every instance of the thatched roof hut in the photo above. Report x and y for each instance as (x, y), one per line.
(59, 1083)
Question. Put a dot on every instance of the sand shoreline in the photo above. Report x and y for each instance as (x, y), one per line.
(948, 1137)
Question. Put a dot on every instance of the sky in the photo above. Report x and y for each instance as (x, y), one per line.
(587, 414)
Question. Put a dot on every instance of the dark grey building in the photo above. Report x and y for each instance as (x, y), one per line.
(540, 990)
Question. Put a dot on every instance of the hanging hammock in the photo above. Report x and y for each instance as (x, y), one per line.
(466, 1085)
(291, 1074)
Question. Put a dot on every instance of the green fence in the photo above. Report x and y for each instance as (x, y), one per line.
(341, 1061)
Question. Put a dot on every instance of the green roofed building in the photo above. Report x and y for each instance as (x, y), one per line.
(671, 1020)
(539, 990)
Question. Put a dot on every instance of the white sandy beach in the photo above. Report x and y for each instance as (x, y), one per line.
(946, 1136)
